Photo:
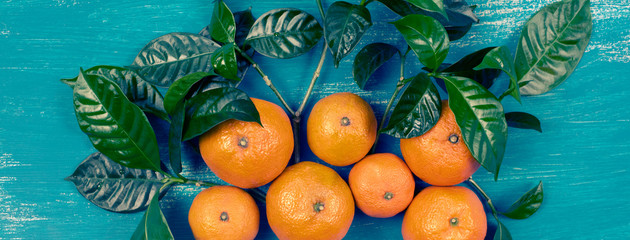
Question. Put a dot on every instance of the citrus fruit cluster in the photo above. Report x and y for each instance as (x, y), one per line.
(311, 201)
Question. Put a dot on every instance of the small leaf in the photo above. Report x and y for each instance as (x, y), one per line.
(480, 117)
(244, 21)
(224, 62)
(426, 37)
(502, 232)
(501, 58)
(223, 26)
(212, 107)
(175, 136)
(116, 126)
(153, 225)
(551, 45)
(284, 33)
(527, 205)
(344, 26)
(179, 89)
(465, 68)
(523, 120)
(114, 187)
(417, 111)
(430, 5)
(370, 58)
(172, 56)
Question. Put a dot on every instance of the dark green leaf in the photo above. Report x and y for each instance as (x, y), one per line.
(527, 205)
(284, 33)
(465, 68)
(551, 45)
(370, 58)
(214, 106)
(175, 136)
(223, 26)
(426, 37)
(114, 187)
(501, 58)
(480, 117)
(153, 225)
(523, 120)
(436, 6)
(344, 26)
(502, 232)
(244, 21)
(179, 89)
(224, 62)
(137, 90)
(417, 111)
(116, 126)
(170, 57)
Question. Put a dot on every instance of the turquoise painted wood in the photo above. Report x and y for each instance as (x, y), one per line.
(583, 155)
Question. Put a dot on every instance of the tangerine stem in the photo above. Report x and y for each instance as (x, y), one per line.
(483, 193)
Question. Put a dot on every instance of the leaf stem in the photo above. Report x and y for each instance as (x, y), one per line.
(483, 193)
(298, 113)
(362, 3)
(321, 8)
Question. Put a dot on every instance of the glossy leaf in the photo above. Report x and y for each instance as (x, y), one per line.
(501, 58)
(551, 45)
(502, 232)
(139, 91)
(244, 21)
(426, 37)
(465, 68)
(212, 107)
(527, 205)
(417, 111)
(284, 33)
(153, 225)
(370, 58)
(116, 126)
(175, 136)
(480, 117)
(174, 55)
(179, 89)
(114, 187)
(523, 120)
(436, 6)
(224, 62)
(223, 26)
(344, 26)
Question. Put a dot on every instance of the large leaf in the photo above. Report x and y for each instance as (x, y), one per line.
(244, 21)
(480, 117)
(527, 205)
(523, 120)
(417, 111)
(426, 37)
(465, 68)
(284, 33)
(116, 126)
(153, 225)
(344, 26)
(114, 187)
(551, 45)
(222, 24)
(224, 62)
(502, 232)
(370, 58)
(170, 57)
(137, 90)
(179, 89)
(501, 58)
(214, 106)
(436, 6)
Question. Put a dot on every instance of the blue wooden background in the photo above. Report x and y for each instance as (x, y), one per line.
(583, 155)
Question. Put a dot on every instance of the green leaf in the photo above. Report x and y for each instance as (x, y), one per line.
(465, 68)
(214, 106)
(175, 136)
(551, 45)
(417, 111)
(502, 232)
(284, 33)
(527, 205)
(139, 91)
(501, 58)
(523, 120)
(244, 21)
(114, 187)
(344, 26)
(370, 58)
(174, 55)
(480, 117)
(223, 26)
(116, 126)
(180, 88)
(153, 225)
(426, 37)
(430, 5)
(224, 62)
